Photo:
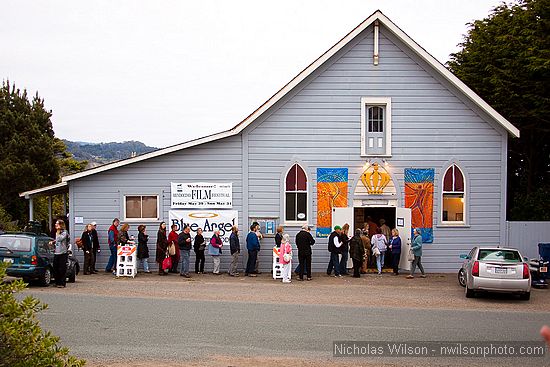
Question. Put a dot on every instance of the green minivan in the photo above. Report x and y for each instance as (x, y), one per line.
(30, 257)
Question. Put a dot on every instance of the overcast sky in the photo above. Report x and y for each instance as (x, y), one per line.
(164, 72)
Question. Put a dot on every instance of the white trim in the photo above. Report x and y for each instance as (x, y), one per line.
(130, 220)
(27, 194)
(376, 16)
(306, 191)
(465, 198)
(376, 101)
(376, 56)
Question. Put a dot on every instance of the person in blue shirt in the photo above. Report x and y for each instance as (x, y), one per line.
(253, 246)
(395, 247)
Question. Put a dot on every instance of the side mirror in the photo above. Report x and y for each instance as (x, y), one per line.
(526, 259)
(464, 256)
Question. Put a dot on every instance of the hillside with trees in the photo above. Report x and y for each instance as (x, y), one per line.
(97, 154)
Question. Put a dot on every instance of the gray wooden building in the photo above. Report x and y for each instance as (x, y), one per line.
(377, 114)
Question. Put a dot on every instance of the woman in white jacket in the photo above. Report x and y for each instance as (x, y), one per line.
(380, 242)
(285, 249)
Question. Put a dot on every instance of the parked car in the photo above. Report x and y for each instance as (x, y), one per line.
(31, 257)
(495, 269)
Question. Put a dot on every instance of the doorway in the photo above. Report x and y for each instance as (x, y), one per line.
(395, 217)
(360, 216)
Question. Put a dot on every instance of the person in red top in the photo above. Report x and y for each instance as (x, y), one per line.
(113, 242)
(173, 239)
(373, 227)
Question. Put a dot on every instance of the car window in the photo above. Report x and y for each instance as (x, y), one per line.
(499, 255)
(43, 247)
(15, 243)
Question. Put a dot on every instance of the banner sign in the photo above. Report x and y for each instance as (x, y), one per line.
(208, 220)
(201, 195)
(419, 196)
(332, 191)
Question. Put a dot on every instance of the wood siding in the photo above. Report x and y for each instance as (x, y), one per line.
(99, 197)
(318, 125)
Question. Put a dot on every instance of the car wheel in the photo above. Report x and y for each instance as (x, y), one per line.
(525, 296)
(46, 278)
(462, 277)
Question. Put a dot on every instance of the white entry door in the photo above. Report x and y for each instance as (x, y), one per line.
(403, 225)
(341, 216)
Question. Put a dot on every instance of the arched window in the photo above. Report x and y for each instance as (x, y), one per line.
(296, 194)
(453, 195)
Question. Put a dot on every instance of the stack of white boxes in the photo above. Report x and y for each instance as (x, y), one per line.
(126, 264)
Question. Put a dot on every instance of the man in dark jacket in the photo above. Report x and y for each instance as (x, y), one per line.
(235, 249)
(253, 246)
(304, 241)
(184, 243)
(95, 247)
(357, 252)
(334, 244)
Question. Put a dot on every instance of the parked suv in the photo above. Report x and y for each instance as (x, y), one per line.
(31, 257)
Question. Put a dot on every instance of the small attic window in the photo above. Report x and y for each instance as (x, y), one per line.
(376, 126)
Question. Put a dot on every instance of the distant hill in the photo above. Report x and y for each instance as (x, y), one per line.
(101, 153)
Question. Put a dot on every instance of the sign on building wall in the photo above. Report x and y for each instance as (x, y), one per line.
(201, 195)
(207, 220)
(419, 196)
(332, 191)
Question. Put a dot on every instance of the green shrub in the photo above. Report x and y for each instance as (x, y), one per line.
(23, 343)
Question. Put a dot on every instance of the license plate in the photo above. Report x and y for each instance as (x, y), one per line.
(8, 260)
(543, 269)
(501, 271)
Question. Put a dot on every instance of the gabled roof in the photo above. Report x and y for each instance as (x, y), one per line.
(376, 16)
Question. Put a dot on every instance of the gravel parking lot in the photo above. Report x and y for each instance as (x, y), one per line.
(439, 291)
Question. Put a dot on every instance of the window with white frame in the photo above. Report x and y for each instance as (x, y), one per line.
(296, 194)
(453, 200)
(376, 126)
(141, 207)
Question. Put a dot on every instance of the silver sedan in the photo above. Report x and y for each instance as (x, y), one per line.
(495, 269)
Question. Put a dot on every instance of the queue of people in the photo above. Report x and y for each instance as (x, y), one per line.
(366, 247)
(370, 246)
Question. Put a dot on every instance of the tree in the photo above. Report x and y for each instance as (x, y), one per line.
(30, 154)
(23, 343)
(505, 58)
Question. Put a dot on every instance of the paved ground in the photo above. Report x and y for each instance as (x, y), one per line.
(223, 321)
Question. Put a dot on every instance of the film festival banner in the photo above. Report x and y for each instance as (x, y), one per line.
(208, 220)
(201, 195)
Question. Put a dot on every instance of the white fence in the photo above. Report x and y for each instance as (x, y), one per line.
(525, 236)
